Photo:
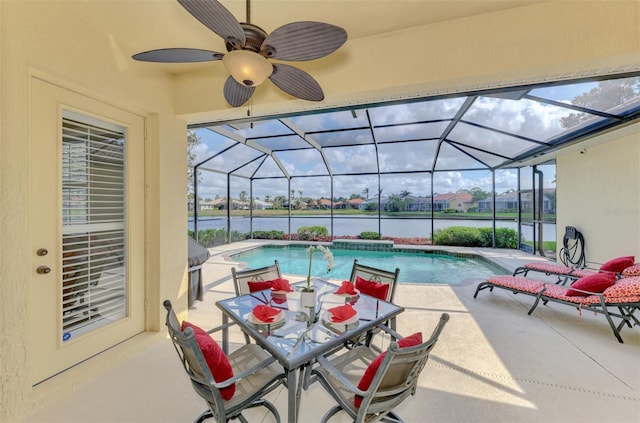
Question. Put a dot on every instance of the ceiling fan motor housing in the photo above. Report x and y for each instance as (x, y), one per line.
(254, 38)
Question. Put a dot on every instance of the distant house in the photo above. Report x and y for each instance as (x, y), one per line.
(261, 205)
(508, 202)
(505, 203)
(355, 203)
(460, 202)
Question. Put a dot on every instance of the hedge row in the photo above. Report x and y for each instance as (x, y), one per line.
(465, 236)
(454, 235)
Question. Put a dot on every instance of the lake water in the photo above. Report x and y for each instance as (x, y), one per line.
(351, 225)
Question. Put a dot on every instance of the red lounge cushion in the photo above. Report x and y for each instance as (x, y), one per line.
(618, 264)
(626, 290)
(560, 293)
(216, 359)
(516, 282)
(369, 374)
(631, 271)
(593, 283)
(374, 289)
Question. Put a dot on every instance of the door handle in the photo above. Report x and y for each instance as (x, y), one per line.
(43, 270)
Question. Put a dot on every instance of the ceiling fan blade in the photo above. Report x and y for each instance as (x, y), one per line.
(178, 55)
(296, 82)
(217, 18)
(237, 94)
(299, 41)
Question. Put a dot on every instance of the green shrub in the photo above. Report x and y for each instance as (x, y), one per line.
(212, 237)
(505, 237)
(369, 235)
(268, 234)
(239, 236)
(464, 236)
(310, 233)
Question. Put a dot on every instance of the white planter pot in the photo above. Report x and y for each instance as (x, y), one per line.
(308, 299)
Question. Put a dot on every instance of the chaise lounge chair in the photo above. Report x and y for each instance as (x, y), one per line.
(617, 265)
(620, 300)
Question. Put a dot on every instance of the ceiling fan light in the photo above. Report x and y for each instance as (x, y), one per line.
(247, 68)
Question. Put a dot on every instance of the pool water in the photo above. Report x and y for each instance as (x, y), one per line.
(415, 267)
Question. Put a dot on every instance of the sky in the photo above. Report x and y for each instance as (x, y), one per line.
(520, 125)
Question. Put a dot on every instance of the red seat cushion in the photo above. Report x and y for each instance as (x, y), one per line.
(216, 359)
(596, 283)
(372, 369)
(618, 264)
(374, 289)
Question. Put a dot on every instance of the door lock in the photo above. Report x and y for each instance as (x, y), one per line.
(43, 270)
(42, 252)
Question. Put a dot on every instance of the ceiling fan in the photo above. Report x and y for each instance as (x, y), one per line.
(249, 47)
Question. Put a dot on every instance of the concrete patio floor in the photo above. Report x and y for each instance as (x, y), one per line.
(493, 363)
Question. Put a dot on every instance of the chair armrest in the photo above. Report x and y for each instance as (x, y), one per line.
(248, 372)
(221, 327)
(390, 331)
(326, 365)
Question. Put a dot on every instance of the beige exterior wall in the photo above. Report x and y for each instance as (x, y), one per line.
(598, 191)
(546, 41)
(36, 38)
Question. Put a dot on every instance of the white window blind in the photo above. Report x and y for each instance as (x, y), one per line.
(94, 284)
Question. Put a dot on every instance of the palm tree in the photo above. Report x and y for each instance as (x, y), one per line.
(404, 194)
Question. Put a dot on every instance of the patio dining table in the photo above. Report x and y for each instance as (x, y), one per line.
(300, 334)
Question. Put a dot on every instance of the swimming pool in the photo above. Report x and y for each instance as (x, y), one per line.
(415, 266)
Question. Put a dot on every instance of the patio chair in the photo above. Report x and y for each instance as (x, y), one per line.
(376, 283)
(252, 372)
(393, 376)
(361, 272)
(241, 278)
(259, 276)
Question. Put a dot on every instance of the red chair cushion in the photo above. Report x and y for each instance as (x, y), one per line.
(216, 359)
(596, 283)
(260, 285)
(372, 369)
(371, 288)
(618, 264)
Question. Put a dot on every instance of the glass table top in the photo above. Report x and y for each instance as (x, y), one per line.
(299, 333)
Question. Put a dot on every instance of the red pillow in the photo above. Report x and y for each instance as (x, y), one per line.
(592, 283)
(374, 289)
(618, 264)
(260, 285)
(217, 360)
(367, 377)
